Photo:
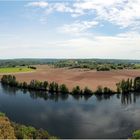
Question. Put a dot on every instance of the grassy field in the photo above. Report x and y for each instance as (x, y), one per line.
(15, 69)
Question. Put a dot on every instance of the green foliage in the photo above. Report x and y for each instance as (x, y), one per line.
(125, 86)
(136, 134)
(98, 64)
(136, 66)
(76, 90)
(99, 90)
(15, 69)
(45, 85)
(24, 85)
(28, 132)
(103, 68)
(87, 91)
(137, 84)
(9, 79)
(2, 114)
(6, 130)
(107, 90)
(32, 67)
(63, 89)
(53, 87)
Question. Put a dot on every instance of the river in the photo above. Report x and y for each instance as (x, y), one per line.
(67, 116)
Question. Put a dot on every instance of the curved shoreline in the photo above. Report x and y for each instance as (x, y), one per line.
(124, 86)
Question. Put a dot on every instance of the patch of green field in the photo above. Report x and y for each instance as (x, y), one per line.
(137, 66)
(15, 69)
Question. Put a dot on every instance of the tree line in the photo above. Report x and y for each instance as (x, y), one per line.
(125, 86)
(99, 65)
(129, 85)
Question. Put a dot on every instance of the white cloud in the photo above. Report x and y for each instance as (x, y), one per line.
(120, 12)
(120, 46)
(40, 4)
(125, 46)
(124, 13)
(78, 27)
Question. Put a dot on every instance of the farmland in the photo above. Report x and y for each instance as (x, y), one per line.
(15, 69)
(72, 77)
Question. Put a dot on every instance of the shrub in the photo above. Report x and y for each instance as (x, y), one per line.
(136, 134)
(63, 89)
(87, 91)
(76, 90)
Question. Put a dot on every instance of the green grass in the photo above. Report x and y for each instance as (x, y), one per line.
(137, 66)
(2, 114)
(15, 69)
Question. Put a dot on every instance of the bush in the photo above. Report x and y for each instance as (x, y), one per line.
(77, 90)
(136, 134)
(28, 132)
(2, 114)
(63, 89)
(107, 90)
(103, 68)
(87, 91)
(99, 90)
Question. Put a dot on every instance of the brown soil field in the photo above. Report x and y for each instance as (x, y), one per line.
(73, 77)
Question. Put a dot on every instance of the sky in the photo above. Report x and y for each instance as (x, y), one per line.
(70, 29)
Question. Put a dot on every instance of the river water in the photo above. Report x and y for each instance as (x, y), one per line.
(67, 116)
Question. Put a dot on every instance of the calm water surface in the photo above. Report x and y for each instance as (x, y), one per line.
(73, 116)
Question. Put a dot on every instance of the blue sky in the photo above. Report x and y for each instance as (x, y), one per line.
(70, 29)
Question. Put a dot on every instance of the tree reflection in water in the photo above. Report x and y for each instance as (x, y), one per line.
(128, 98)
(125, 98)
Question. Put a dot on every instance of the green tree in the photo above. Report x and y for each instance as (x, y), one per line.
(99, 90)
(63, 89)
(52, 87)
(25, 85)
(76, 90)
(45, 85)
(87, 91)
(137, 84)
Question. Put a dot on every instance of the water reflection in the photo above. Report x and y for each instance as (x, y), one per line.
(9, 90)
(103, 96)
(125, 98)
(35, 94)
(73, 116)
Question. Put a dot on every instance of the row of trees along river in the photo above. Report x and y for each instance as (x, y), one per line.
(125, 86)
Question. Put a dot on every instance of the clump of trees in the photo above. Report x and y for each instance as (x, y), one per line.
(32, 67)
(63, 89)
(103, 68)
(52, 87)
(9, 80)
(125, 86)
(129, 85)
(137, 84)
(99, 65)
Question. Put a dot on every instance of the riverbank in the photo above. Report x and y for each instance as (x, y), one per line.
(124, 86)
(11, 130)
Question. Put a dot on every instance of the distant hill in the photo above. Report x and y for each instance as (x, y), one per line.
(25, 61)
